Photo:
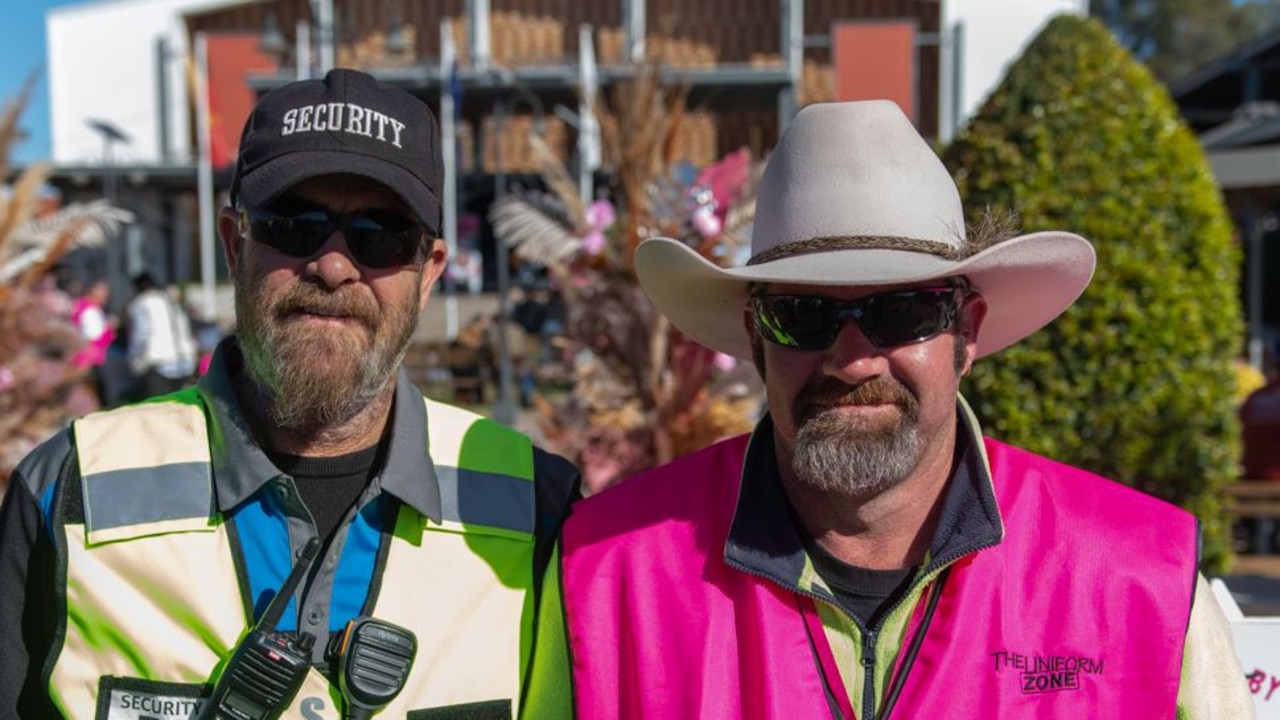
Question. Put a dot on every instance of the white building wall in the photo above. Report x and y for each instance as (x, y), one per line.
(102, 64)
(995, 34)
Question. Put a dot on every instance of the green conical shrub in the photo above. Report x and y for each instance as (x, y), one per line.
(1135, 381)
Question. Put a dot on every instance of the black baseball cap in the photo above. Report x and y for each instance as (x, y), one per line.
(347, 123)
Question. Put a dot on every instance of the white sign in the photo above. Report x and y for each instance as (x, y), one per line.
(1258, 646)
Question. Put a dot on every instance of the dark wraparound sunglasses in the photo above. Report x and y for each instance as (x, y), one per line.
(377, 238)
(812, 322)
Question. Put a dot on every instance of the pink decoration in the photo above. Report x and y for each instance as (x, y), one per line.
(706, 222)
(724, 362)
(601, 215)
(593, 242)
(726, 178)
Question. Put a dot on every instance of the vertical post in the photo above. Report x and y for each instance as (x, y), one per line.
(303, 47)
(946, 118)
(325, 36)
(957, 76)
(635, 21)
(1262, 224)
(478, 20)
(503, 410)
(588, 126)
(114, 247)
(204, 178)
(162, 98)
(449, 148)
(109, 169)
(792, 48)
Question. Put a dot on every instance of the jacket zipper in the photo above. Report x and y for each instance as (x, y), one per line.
(869, 636)
(872, 634)
(869, 667)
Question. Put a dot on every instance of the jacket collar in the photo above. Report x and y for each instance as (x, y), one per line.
(241, 468)
(764, 538)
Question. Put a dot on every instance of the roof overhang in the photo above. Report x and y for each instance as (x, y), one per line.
(1251, 167)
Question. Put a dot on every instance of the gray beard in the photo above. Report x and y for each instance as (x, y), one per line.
(300, 400)
(833, 456)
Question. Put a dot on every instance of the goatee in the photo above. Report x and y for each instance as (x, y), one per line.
(855, 457)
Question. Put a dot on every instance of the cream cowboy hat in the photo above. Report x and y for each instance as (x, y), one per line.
(854, 196)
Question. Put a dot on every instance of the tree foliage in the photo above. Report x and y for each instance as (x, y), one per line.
(1174, 37)
(1135, 381)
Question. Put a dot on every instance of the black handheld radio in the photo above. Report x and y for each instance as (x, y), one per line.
(267, 668)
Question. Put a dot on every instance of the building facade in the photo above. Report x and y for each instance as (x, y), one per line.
(747, 65)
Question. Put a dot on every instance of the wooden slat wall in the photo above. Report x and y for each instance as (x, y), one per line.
(683, 33)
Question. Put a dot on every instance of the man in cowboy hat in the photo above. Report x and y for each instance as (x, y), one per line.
(866, 552)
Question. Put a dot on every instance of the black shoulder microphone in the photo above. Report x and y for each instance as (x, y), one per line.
(267, 668)
(374, 660)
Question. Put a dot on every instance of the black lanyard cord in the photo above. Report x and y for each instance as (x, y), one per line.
(895, 686)
(832, 703)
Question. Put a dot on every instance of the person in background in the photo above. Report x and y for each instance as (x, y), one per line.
(866, 552)
(161, 350)
(138, 547)
(89, 314)
(1260, 421)
(466, 272)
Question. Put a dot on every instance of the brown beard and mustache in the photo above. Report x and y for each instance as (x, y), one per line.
(311, 380)
(856, 458)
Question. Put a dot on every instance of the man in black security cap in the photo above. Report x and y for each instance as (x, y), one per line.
(138, 547)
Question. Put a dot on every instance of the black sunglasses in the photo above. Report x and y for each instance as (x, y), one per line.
(812, 322)
(377, 238)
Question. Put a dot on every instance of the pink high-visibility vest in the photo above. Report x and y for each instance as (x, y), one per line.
(1080, 612)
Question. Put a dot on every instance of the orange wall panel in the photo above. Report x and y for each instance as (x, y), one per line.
(876, 60)
(232, 58)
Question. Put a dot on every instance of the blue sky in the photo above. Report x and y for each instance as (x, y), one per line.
(21, 52)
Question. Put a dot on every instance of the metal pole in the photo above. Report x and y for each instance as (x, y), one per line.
(1262, 224)
(946, 119)
(204, 179)
(162, 98)
(449, 143)
(792, 41)
(325, 36)
(114, 247)
(634, 20)
(478, 16)
(303, 46)
(503, 410)
(957, 77)
(588, 126)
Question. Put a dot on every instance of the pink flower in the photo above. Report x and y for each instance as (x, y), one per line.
(724, 362)
(601, 215)
(706, 222)
(6, 378)
(593, 242)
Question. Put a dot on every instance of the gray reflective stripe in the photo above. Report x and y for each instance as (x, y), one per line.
(147, 495)
(482, 498)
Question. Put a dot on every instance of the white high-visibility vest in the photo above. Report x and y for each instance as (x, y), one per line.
(154, 605)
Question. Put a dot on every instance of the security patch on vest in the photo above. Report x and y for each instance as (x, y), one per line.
(136, 699)
(1037, 674)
